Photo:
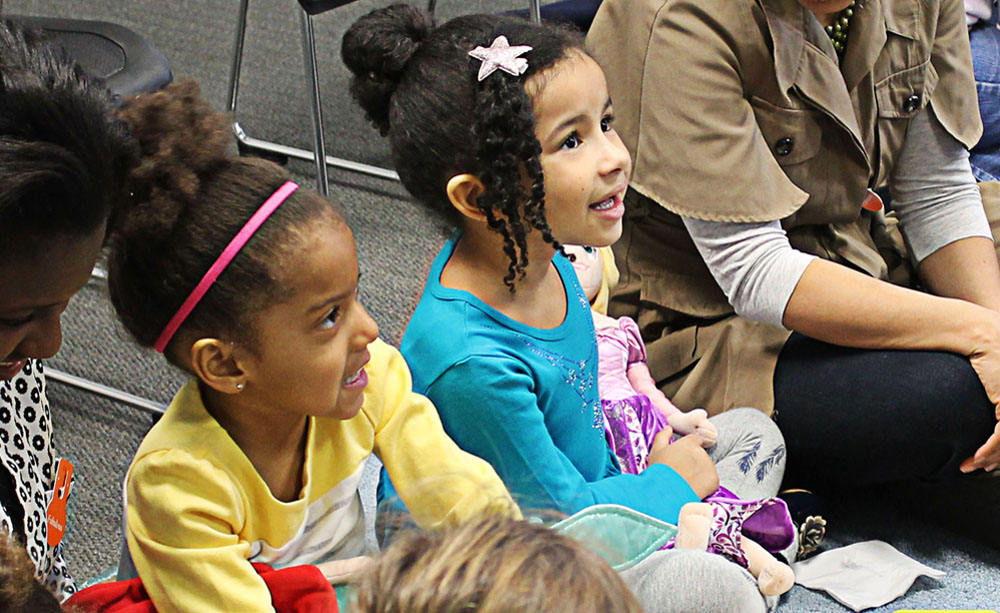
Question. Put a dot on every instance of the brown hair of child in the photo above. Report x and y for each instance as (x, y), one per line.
(491, 565)
(20, 592)
(190, 196)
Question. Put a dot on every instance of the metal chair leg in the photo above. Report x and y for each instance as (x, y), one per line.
(312, 85)
(536, 10)
(234, 69)
(99, 389)
(250, 142)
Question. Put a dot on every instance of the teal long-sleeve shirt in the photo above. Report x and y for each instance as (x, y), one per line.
(525, 399)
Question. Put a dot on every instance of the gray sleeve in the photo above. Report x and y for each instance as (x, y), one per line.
(976, 10)
(753, 263)
(933, 190)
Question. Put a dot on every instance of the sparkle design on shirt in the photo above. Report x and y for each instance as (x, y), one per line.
(581, 376)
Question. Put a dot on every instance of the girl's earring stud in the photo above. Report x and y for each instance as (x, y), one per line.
(239, 386)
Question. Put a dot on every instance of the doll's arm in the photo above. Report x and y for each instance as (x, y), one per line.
(642, 381)
(695, 421)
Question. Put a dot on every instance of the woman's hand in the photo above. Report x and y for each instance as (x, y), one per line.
(967, 269)
(834, 304)
(694, 421)
(986, 457)
(687, 457)
(986, 362)
(344, 571)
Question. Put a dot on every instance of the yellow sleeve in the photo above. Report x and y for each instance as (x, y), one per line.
(182, 522)
(439, 483)
(609, 280)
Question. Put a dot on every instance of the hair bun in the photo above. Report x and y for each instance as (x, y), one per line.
(376, 49)
(181, 141)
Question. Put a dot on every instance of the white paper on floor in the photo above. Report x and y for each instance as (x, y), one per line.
(863, 575)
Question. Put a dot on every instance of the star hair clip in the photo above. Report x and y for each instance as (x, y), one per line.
(501, 55)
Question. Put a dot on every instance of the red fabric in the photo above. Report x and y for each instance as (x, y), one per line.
(298, 589)
(116, 596)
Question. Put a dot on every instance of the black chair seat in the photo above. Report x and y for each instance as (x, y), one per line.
(315, 7)
(578, 12)
(127, 62)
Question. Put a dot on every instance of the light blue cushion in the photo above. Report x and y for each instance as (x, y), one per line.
(622, 536)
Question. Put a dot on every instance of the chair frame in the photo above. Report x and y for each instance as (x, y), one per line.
(318, 154)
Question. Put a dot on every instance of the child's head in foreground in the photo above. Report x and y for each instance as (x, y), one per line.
(282, 320)
(532, 152)
(20, 592)
(491, 565)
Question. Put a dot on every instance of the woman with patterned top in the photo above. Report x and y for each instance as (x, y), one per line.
(63, 158)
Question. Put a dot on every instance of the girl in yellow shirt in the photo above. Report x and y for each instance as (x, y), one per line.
(249, 284)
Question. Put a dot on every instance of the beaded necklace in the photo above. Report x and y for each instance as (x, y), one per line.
(837, 31)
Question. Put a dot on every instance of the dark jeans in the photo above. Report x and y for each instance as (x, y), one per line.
(863, 417)
(985, 40)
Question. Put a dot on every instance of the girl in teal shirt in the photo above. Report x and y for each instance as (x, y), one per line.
(506, 127)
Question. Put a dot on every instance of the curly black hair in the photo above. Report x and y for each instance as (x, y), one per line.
(191, 195)
(418, 85)
(64, 155)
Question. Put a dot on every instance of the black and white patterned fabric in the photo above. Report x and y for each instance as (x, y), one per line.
(26, 454)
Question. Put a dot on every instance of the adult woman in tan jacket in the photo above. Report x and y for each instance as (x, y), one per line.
(758, 130)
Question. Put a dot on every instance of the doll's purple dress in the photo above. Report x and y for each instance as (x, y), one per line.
(631, 422)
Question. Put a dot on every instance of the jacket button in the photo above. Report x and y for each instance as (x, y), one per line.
(784, 146)
(912, 103)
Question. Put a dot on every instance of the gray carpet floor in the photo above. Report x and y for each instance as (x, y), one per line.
(396, 240)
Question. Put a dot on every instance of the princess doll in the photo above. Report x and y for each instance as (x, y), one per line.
(635, 411)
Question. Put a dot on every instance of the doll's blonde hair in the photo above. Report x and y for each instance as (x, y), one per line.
(491, 565)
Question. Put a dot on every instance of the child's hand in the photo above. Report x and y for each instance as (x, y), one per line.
(344, 571)
(688, 458)
(694, 422)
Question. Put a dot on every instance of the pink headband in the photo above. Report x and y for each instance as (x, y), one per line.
(270, 205)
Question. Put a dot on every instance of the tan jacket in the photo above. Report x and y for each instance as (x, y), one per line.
(738, 110)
